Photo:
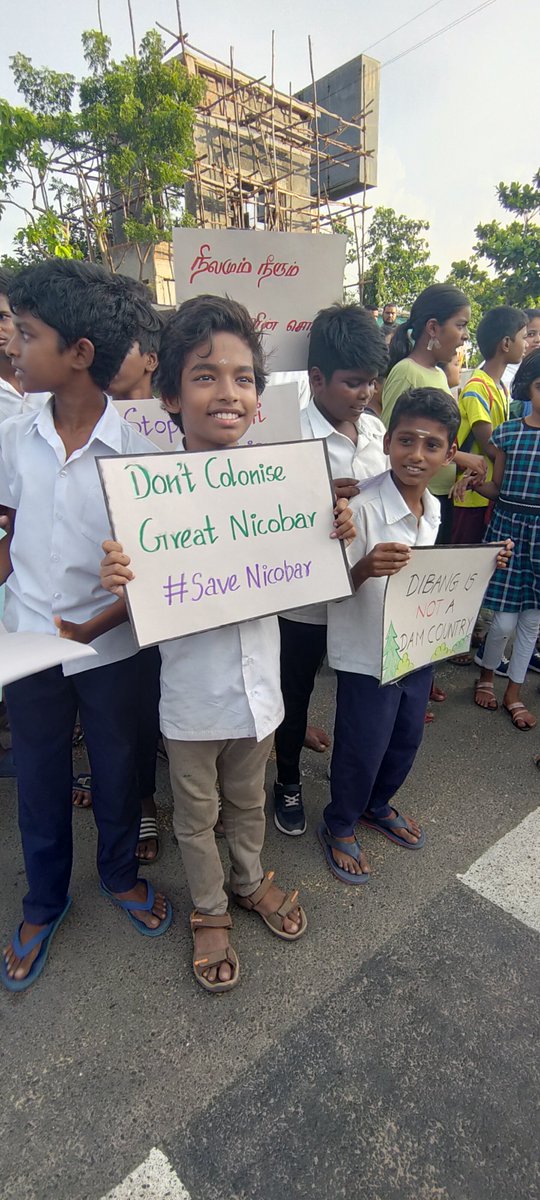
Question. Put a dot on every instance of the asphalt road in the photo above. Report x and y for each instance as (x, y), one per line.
(390, 1055)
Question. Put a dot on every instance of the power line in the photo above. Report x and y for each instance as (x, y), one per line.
(439, 32)
(403, 26)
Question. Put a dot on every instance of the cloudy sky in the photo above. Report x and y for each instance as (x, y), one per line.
(458, 114)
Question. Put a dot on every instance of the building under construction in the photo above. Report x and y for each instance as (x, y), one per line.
(269, 160)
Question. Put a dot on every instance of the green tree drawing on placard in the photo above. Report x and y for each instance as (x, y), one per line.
(442, 651)
(406, 665)
(391, 654)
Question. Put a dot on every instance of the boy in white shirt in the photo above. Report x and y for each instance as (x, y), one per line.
(73, 326)
(347, 352)
(220, 694)
(378, 729)
(13, 400)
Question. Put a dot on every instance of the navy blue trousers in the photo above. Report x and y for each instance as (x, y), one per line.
(147, 720)
(42, 712)
(376, 736)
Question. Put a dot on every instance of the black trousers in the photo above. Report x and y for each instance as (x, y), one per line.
(303, 648)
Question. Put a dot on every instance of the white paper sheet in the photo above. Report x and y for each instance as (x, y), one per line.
(23, 654)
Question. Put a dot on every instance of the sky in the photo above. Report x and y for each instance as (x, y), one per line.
(457, 115)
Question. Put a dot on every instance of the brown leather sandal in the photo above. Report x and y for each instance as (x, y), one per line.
(481, 685)
(274, 921)
(215, 957)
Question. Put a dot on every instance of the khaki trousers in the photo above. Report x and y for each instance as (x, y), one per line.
(195, 769)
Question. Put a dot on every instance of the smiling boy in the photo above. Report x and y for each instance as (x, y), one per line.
(378, 729)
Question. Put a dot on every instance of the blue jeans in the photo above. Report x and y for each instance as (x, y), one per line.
(42, 711)
(376, 736)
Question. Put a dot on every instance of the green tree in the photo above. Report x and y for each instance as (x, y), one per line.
(101, 159)
(513, 250)
(398, 259)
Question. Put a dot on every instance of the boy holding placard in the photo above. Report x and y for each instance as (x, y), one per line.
(220, 693)
(378, 729)
(347, 353)
(73, 326)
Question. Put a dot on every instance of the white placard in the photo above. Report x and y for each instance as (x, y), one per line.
(282, 278)
(431, 605)
(23, 654)
(220, 537)
(277, 419)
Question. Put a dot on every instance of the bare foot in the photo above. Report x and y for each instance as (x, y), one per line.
(484, 694)
(348, 863)
(159, 910)
(147, 848)
(207, 941)
(317, 739)
(18, 968)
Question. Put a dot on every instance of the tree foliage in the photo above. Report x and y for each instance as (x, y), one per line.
(87, 160)
(398, 259)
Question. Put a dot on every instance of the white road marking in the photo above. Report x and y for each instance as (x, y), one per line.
(508, 873)
(155, 1179)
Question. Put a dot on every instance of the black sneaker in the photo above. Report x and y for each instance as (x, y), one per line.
(289, 815)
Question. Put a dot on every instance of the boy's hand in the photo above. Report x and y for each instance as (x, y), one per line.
(344, 526)
(505, 554)
(387, 558)
(114, 570)
(72, 631)
(345, 489)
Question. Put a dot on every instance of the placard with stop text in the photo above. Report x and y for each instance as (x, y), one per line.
(277, 419)
(219, 537)
(431, 606)
(282, 278)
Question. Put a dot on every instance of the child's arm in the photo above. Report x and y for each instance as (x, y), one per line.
(111, 617)
(491, 488)
(475, 464)
(386, 558)
(7, 523)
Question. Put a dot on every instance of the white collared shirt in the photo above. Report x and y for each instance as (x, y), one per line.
(347, 461)
(60, 525)
(13, 403)
(355, 624)
(223, 684)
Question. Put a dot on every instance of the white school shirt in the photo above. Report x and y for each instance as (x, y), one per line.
(60, 526)
(355, 624)
(12, 403)
(347, 461)
(222, 684)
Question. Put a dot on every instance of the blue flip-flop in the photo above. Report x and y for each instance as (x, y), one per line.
(388, 826)
(353, 848)
(132, 906)
(45, 936)
(7, 766)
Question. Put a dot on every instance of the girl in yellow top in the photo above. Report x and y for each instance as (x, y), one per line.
(484, 404)
(437, 325)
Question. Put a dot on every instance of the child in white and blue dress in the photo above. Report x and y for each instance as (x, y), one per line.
(514, 593)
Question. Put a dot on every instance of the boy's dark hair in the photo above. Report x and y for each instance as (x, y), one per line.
(344, 337)
(80, 300)
(531, 313)
(193, 325)
(497, 324)
(371, 307)
(150, 320)
(6, 280)
(441, 301)
(527, 372)
(433, 403)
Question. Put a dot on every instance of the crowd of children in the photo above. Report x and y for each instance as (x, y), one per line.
(72, 337)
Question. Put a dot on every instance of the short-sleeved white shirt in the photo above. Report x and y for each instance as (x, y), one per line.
(60, 525)
(13, 403)
(355, 624)
(223, 684)
(347, 461)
